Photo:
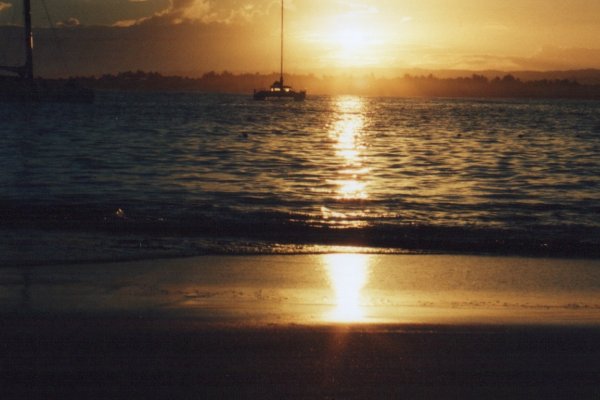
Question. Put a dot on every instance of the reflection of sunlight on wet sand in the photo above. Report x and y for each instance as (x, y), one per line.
(348, 274)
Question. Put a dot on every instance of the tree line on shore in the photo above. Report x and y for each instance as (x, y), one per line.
(370, 85)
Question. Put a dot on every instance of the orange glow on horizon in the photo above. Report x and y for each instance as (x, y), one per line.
(436, 34)
(381, 37)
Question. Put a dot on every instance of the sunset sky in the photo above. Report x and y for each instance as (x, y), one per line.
(194, 36)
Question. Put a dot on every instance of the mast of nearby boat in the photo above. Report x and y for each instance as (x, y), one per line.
(26, 89)
(24, 71)
(28, 68)
(281, 52)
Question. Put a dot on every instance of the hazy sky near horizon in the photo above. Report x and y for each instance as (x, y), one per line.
(323, 35)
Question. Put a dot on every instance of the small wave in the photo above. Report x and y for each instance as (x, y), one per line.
(123, 232)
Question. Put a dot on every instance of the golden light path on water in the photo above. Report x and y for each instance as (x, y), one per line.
(346, 132)
(348, 274)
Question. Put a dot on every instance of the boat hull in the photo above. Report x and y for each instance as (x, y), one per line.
(268, 94)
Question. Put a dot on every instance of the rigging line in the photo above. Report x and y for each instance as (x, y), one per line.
(56, 40)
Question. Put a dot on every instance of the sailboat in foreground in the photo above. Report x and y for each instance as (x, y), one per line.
(25, 88)
(278, 89)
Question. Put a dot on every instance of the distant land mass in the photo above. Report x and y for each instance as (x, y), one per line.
(583, 84)
(588, 76)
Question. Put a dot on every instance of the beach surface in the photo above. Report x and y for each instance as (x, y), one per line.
(343, 325)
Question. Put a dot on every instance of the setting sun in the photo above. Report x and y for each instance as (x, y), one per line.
(354, 47)
(352, 41)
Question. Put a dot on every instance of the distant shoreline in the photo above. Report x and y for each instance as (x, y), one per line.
(566, 85)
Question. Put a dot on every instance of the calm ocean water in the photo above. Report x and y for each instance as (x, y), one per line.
(157, 175)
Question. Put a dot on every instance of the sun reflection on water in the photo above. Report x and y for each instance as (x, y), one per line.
(348, 274)
(346, 132)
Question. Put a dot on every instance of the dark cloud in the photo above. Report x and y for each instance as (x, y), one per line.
(185, 49)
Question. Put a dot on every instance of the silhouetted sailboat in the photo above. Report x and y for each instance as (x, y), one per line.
(278, 89)
(24, 87)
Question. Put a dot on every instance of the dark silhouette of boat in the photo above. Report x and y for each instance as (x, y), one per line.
(25, 88)
(278, 89)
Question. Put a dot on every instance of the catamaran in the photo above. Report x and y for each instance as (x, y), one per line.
(25, 87)
(278, 89)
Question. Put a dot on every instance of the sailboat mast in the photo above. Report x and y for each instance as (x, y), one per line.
(28, 68)
(281, 52)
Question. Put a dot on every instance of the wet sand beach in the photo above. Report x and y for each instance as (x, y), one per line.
(293, 327)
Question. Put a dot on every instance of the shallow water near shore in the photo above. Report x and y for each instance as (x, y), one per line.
(145, 175)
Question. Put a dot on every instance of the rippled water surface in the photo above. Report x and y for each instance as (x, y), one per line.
(193, 173)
